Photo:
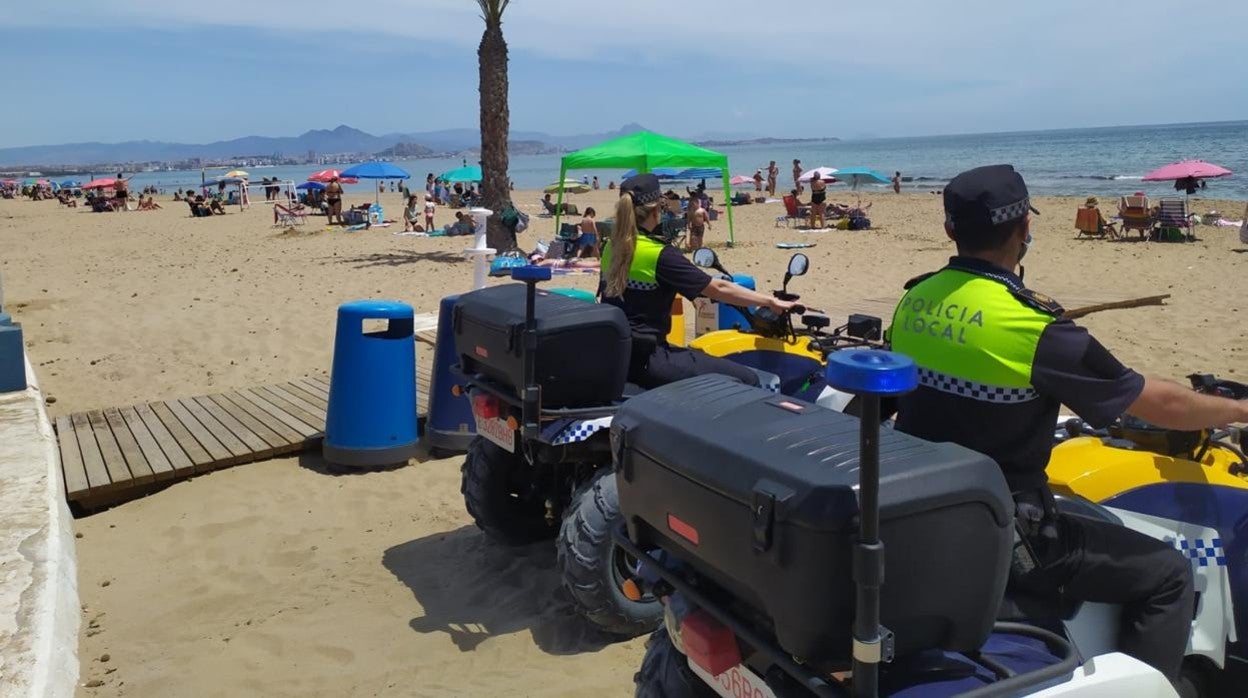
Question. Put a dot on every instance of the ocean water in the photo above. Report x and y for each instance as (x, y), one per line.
(1076, 162)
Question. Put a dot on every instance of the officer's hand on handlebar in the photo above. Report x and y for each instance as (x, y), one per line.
(780, 307)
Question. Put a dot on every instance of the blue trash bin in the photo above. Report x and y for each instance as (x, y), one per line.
(450, 426)
(12, 365)
(371, 418)
(730, 317)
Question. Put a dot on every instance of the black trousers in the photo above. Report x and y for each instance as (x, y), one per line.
(667, 364)
(1102, 562)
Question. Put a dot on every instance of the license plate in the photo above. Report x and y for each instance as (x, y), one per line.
(737, 682)
(497, 432)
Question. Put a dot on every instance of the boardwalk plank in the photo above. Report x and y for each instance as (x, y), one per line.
(92, 459)
(76, 482)
(140, 471)
(118, 472)
(274, 424)
(306, 394)
(181, 459)
(237, 448)
(275, 441)
(315, 387)
(162, 469)
(264, 403)
(191, 427)
(311, 418)
(312, 409)
(258, 446)
(322, 381)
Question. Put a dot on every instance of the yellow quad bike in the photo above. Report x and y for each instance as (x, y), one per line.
(1189, 489)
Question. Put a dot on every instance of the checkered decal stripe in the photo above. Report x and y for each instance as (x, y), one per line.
(1201, 551)
(1010, 211)
(641, 285)
(581, 430)
(976, 391)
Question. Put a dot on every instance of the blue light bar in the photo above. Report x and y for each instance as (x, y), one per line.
(872, 372)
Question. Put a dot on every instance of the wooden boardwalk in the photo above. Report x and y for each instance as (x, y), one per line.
(120, 453)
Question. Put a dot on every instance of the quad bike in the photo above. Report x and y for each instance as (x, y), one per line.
(1189, 489)
(536, 472)
(788, 595)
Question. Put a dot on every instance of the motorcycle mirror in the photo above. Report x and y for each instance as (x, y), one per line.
(705, 257)
(798, 264)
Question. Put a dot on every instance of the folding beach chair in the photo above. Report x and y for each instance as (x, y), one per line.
(792, 212)
(1172, 213)
(1136, 214)
(1088, 222)
(288, 216)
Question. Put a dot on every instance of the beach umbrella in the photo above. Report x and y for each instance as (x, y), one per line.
(314, 186)
(71, 184)
(241, 174)
(376, 170)
(699, 173)
(1195, 169)
(468, 173)
(103, 183)
(741, 179)
(855, 176)
(825, 173)
(326, 175)
(569, 185)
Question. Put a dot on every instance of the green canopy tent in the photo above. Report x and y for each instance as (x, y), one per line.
(644, 151)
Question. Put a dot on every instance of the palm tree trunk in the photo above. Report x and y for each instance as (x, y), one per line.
(495, 130)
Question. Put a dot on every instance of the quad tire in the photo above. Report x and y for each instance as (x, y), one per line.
(592, 567)
(496, 489)
(665, 672)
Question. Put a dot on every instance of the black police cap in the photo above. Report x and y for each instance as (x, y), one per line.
(985, 197)
(644, 188)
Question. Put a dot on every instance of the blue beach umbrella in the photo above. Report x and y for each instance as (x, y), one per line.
(376, 170)
(470, 173)
(70, 184)
(854, 176)
(314, 186)
(700, 173)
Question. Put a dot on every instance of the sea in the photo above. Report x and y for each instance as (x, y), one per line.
(1107, 162)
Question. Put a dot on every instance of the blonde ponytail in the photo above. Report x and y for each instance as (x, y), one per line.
(623, 243)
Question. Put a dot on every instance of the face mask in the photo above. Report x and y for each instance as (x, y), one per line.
(1026, 246)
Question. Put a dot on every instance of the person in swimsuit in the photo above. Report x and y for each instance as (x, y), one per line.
(797, 176)
(818, 197)
(698, 223)
(587, 243)
(333, 196)
(773, 174)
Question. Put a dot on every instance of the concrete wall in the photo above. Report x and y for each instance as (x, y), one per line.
(39, 612)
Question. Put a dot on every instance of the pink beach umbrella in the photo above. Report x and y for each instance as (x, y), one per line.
(825, 173)
(741, 179)
(1198, 169)
(326, 175)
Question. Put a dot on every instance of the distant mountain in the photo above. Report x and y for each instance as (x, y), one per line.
(400, 151)
(342, 139)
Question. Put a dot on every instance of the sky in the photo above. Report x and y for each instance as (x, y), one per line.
(199, 72)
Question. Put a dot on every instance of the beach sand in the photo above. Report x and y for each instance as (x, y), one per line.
(279, 578)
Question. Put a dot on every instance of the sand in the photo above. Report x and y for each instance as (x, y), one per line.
(278, 578)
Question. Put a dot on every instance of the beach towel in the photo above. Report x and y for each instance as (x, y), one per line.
(794, 245)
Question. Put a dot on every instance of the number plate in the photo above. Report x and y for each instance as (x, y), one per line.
(737, 682)
(497, 432)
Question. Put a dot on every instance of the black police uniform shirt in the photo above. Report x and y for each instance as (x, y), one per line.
(649, 312)
(1070, 367)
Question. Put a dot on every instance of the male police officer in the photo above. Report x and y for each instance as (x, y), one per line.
(996, 362)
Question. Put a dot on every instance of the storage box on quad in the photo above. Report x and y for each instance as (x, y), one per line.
(759, 492)
(582, 348)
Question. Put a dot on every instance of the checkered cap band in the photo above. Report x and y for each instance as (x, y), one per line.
(974, 390)
(1008, 213)
(641, 285)
(1203, 552)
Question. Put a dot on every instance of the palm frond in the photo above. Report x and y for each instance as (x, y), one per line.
(493, 9)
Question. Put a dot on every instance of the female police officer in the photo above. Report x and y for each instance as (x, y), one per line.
(642, 275)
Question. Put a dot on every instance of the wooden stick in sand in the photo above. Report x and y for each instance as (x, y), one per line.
(1130, 303)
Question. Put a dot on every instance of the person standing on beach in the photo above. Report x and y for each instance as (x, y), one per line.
(333, 196)
(897, 182)
(797, 176)
(120, 191)
(698, 223)
(758, 180)
(595, 185)
(429, 209)
(818, 199)
(773, 174)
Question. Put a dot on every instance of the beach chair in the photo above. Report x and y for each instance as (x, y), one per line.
(288, 216)
(548, 209)
(1088, 222)
(1136, 214)
(792, 212)
(1172, 213)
